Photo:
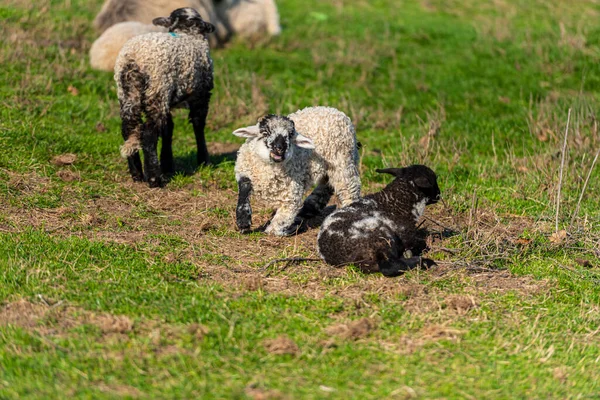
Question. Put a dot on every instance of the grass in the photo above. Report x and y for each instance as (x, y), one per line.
(109, 289)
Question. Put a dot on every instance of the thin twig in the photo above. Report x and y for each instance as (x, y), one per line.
(583, 190)
(289, 261)
(473, 210)
(437, 223)
(562, 167)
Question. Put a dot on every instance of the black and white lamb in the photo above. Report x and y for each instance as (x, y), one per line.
(375, 232)
(156, 72)
(283, 157)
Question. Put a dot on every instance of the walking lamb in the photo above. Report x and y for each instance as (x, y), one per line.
(283, 157)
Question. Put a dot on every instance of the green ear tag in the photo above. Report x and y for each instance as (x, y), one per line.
(173, 34)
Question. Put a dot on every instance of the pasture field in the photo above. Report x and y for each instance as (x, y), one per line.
(109, 289)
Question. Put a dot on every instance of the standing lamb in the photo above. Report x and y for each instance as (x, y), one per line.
(283, 157)
(375, 231)
(154, 73)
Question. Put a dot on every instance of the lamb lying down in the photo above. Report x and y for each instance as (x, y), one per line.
(375, 231)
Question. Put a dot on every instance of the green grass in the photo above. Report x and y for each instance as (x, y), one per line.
(507, 314)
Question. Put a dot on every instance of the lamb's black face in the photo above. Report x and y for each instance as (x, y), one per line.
(422, 177)
(185, 20)
(277, 132)
(274, 137)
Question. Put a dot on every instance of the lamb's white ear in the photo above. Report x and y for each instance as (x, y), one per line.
(303, 141)
(247, 132)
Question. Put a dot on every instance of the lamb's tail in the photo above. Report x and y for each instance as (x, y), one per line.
(132, 83)
(115, 11)
(131, 146)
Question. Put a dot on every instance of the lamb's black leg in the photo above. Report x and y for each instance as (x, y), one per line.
(131, 125)
(318, 199)
(166, 153)
(198, 113)
(152, 129)
(398, 266)
(243, 212)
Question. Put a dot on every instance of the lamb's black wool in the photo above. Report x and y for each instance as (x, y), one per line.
(375, 232)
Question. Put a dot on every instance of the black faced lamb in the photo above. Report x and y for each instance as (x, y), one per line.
(374, 232)
(156, 72)
(283, 157)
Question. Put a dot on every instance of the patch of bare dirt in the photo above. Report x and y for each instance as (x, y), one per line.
(352, 330)
(109, 323)
(22, 313)
(461, 303)
(67, 175)
(139, 216)
(64, 159)
(430, 334)
(281, 345)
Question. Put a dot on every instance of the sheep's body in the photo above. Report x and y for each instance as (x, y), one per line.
(249, 19)
(104, 51)
(332, 165)
(375, 231)
(154, 73)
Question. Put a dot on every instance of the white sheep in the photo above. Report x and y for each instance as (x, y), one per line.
(104, 51)
(154, 73)
(374, 232)
(283, 157)
(115, 11)
(249, 19)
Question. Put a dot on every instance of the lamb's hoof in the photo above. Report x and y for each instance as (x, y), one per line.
(155, 182)
(137, 178)
(427, 263)
(245, 231)
(205, 162)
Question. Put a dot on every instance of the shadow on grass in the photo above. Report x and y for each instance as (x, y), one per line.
(187, 164)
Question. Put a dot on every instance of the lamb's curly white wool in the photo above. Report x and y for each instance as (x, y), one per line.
(283, 157)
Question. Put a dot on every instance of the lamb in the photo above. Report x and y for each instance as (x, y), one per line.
(375, 232)
(249, 19)
(154, 73)
(106, 48)
(284, 156)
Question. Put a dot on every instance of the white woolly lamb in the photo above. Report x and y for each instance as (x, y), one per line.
(106, 48)
(283, 157)
(154, 73)
(375, 232)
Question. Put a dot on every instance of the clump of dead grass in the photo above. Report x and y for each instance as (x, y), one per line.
(281, 345)
(352, 330)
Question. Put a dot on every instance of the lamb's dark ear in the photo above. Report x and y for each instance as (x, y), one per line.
(162, 21)
(423, 183)
(206, 27)
(397, 172)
